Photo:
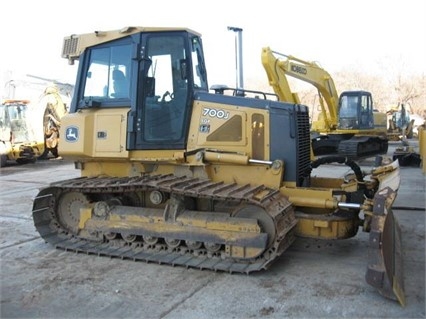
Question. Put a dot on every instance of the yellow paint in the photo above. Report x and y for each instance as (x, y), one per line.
(422, 147)
(337, 228)
(85, 215)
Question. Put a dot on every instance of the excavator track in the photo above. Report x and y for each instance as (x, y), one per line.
(74, 215)
(362, 146)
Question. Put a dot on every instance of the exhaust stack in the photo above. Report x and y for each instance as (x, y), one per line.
(239, 59)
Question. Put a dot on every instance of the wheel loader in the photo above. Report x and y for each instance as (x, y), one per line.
(175, 174)
(18, 142)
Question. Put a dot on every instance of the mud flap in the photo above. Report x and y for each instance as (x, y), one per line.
(384, 270)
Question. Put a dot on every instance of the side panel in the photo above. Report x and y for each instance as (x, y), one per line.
(94, 133)
(219, 125)
(109, 135)
(272, 130)
(231, 124)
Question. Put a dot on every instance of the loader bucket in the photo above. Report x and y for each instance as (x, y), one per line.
(384, 270)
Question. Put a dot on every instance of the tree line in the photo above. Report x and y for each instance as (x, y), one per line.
(387, 91)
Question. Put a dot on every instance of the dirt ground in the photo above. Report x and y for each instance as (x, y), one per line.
(313, 279)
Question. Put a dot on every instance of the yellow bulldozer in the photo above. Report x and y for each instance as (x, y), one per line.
(175, 174)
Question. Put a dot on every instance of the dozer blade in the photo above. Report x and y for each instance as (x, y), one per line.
(384, 270)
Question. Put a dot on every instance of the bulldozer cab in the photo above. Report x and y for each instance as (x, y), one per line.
(356, 110)
(153, 74)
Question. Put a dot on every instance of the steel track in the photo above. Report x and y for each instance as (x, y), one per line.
(272, 201)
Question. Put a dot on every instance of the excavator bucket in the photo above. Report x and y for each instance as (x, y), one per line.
(384, 270)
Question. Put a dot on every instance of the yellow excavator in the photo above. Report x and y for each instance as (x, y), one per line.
(174, 174)
(348, 125)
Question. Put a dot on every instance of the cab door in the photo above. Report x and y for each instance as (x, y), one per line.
(366, 120)
(160, 120)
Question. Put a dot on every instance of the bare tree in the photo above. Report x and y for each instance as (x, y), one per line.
(387, 90)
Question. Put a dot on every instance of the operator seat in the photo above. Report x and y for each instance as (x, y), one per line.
(120, 84)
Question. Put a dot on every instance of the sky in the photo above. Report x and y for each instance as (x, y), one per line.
(369, 36)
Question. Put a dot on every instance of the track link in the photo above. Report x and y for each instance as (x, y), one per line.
(272, 201)
(363, 146)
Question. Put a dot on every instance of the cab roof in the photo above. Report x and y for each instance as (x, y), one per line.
(75, 44)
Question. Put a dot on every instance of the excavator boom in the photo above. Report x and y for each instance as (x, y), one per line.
(310, 72)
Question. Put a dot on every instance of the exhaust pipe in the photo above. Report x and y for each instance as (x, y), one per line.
(239, 59)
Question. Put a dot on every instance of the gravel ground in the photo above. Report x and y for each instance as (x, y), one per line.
(313, 279)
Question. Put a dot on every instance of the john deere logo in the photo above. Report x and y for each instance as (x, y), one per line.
(71, 134)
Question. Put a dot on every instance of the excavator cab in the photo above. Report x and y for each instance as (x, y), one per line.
(355, 110)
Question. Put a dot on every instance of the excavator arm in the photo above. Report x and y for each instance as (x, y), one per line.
(277, 71)
(277, 78)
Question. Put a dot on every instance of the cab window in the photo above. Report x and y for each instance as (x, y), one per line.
(108, 74)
